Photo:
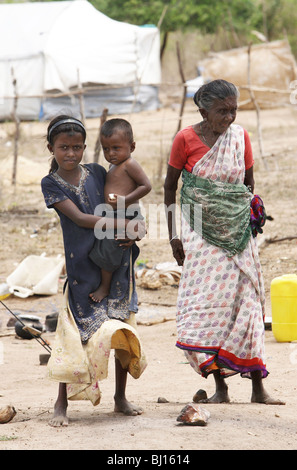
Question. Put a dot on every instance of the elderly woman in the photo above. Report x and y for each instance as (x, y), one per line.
(220, 304)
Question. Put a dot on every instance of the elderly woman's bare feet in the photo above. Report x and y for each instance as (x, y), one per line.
(259, 395)
(218, 397)
(122, 405)
(265, 399)
(221, 394)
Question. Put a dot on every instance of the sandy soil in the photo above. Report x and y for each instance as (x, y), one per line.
(27, 228)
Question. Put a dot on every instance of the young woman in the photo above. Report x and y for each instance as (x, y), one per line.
(87, 330)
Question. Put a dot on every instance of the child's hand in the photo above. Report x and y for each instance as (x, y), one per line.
(115, 199)
(112, 198)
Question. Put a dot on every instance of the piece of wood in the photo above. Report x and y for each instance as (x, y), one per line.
(182, 106)
(282, 239)
(97, 144)
(8, 333)
(17, 129)
(82, 109)
(257, 108)
(7, 413)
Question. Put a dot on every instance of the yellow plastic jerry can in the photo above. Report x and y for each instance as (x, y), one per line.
(283, 294)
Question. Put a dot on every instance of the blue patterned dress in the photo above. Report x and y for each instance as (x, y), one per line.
(83, 276)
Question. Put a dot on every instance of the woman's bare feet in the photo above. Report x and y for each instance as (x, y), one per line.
(259, 395)
(218, 397)
(221, 393)
(266, 399)
(122, 405)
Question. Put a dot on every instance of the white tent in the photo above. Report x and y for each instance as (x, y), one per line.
(53, 47)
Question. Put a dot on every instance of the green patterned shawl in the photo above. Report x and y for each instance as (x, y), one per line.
(219, 212)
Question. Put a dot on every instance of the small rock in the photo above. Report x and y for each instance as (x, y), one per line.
(194, 415)
(43, 359)
(51, 321)
(200, 395)
(12, 320)
(162, 400)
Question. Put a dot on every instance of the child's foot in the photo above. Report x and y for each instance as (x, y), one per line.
(124, 406)
(99, 294)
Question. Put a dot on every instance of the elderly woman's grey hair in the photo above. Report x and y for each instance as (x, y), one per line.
(215, 90)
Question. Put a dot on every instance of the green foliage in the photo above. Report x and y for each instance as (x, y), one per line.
(271, 17)
(238, 18)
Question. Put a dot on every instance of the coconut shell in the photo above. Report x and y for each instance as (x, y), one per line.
(194, 415)
(6, 414)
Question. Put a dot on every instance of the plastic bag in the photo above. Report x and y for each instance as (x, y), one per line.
(36, 275)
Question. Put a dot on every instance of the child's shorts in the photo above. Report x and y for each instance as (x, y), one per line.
(107, 252)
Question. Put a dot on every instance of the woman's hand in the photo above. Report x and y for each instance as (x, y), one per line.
(178, 251)
(135, 229)
(170, 188)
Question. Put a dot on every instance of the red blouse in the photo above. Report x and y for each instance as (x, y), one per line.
(187, 149)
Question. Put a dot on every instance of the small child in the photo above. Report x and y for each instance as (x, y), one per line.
(126, 183)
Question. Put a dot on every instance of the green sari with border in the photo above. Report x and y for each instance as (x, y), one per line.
(219, 212)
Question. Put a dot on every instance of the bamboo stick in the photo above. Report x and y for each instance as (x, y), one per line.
(257, 108)
(17, 129)
(98, 145)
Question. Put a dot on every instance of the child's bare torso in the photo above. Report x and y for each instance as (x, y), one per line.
(118, 181)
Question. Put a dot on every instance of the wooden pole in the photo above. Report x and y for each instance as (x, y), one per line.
(17, 129)
(257, 108)
(81, 98)
(97, 145)
(182, 106)
(82, 108)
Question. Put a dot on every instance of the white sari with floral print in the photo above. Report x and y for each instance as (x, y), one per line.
(220, 307)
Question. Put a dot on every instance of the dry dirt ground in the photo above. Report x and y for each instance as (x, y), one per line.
(27, 228)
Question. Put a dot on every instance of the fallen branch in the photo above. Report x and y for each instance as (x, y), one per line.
(276, 240)
(9, 333)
